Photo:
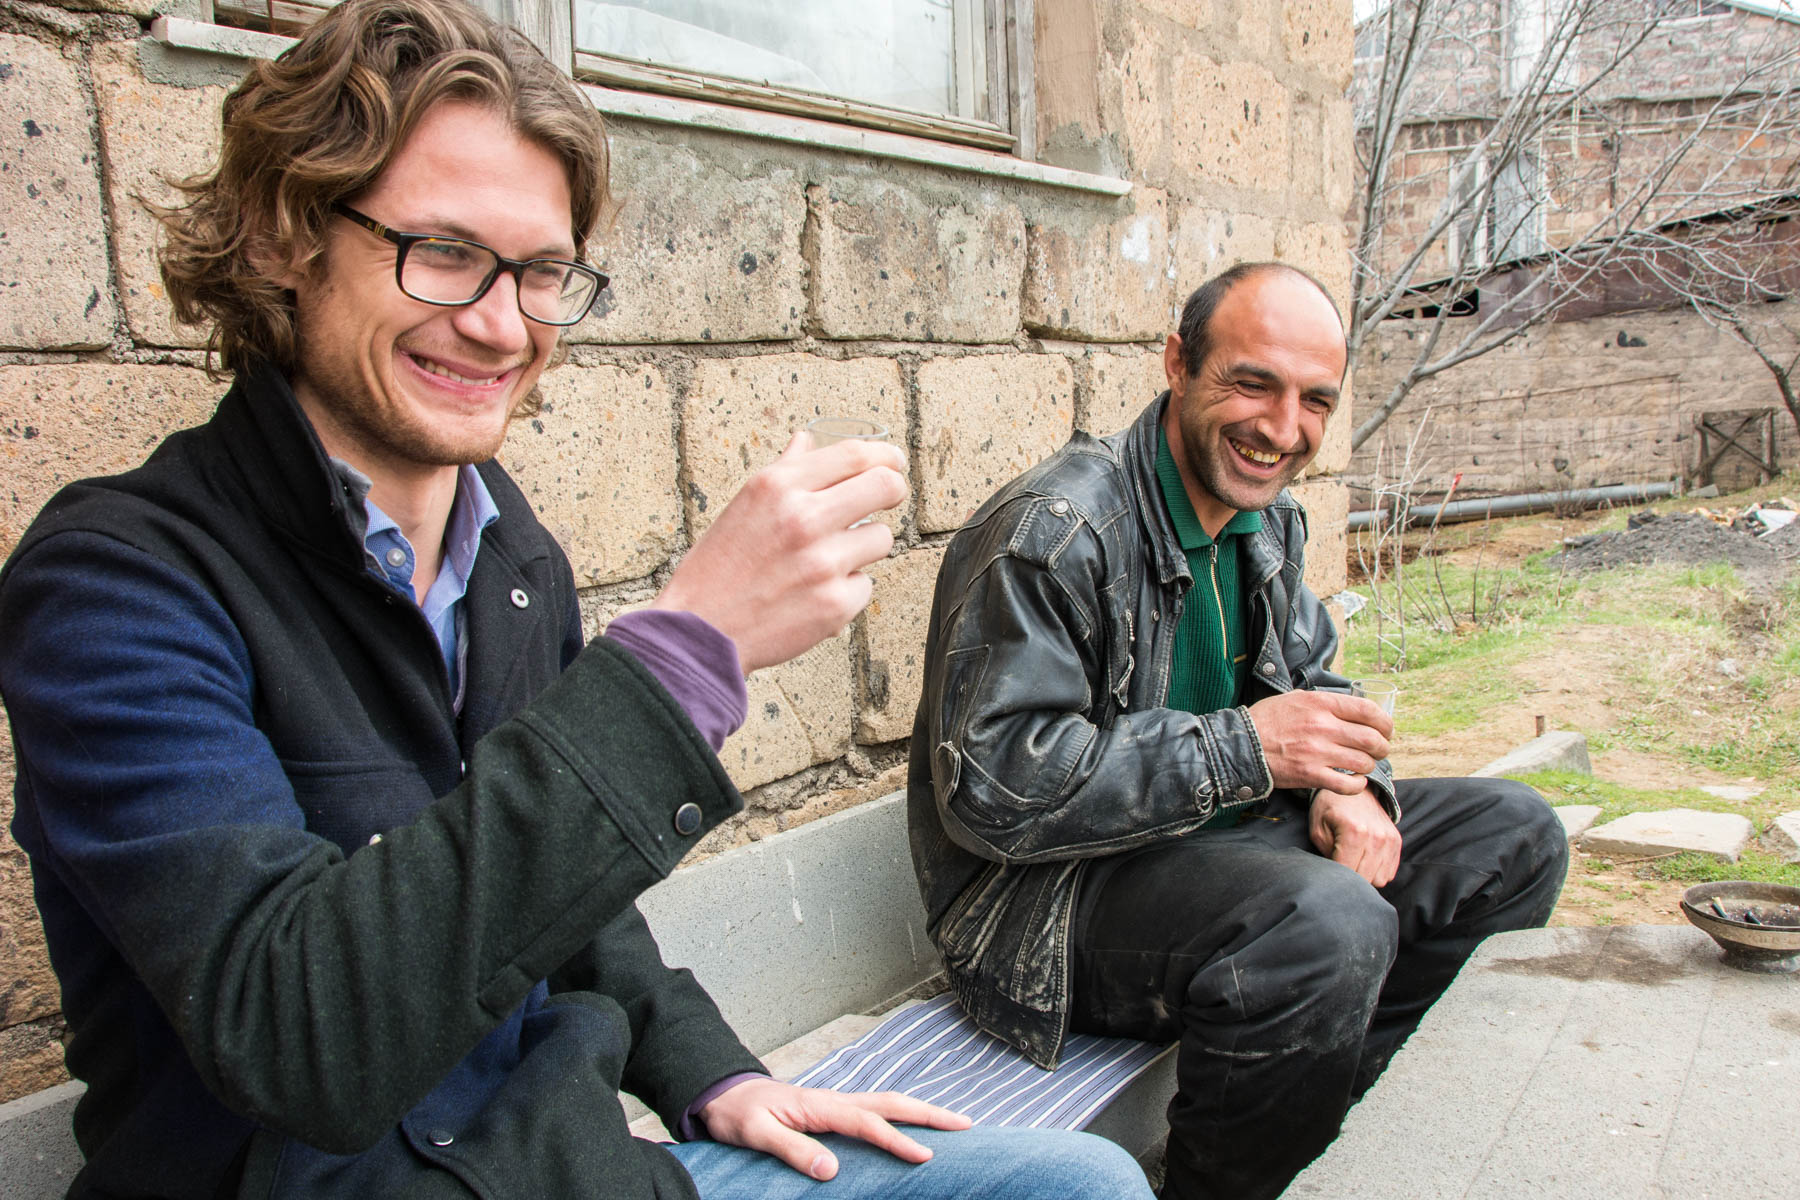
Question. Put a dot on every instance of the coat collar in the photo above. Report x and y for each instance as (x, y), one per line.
(1139, 455)
(283, 469)
(285, 474)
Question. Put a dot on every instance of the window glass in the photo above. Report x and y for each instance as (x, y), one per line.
(925, 55)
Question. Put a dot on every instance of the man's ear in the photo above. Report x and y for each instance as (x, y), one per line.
(287, 272)
(283, 266)
(1173, 367)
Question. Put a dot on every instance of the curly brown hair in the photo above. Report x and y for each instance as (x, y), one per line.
(319, 125)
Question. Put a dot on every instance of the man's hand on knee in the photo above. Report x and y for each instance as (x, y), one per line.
(1356, 831)
(1321, 739)
(775, 1117)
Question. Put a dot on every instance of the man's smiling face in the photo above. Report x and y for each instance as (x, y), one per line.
(1245, 424)
(390, 382)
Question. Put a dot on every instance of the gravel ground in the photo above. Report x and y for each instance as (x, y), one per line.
(1689, 539)
(1785, 541)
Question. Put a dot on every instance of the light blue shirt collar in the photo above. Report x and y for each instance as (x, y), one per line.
(391, 557)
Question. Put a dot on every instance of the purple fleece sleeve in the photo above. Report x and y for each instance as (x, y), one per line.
(691, 1128)
(695, 663)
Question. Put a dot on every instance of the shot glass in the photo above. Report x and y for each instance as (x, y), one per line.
(1383, 692)
(827, 430)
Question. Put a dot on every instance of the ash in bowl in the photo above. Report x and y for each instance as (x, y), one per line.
(1757, 925)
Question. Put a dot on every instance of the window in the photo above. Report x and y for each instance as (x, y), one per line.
(1371, 21)
(1467, 238)
(941, 69)
(1519, 196)
(1536, 29)
(1675, 10)
(932, 67)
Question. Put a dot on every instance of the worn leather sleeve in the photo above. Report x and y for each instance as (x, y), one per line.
(324, 995)
(1030, 761)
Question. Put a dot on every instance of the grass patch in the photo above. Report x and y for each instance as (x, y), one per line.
(1755, 865)
(1616, 799)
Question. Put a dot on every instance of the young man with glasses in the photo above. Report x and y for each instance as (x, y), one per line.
(336, 826)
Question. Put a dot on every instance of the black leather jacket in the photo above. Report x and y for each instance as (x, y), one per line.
(1042, 741)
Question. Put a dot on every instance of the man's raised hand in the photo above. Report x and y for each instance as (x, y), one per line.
(1311, 739)
(780, 570)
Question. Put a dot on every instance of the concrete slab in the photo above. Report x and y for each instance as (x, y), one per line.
(1782, 837)
(38, 1155)
(1671, 831)
(1597, 1062)
(1731, 791)
(1577, 819)
(1560, 750)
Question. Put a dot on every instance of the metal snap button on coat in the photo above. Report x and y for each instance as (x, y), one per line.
(1245, 793)
(520, 599)
(1059, 507)
(687, 820)
(1267, 668)
(440, 1137)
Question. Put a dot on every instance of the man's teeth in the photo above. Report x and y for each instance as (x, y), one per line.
(447, 373)
(1257, 456)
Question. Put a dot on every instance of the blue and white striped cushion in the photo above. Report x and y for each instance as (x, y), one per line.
(934, 1052)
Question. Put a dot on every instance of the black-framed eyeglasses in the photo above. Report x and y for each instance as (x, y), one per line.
(453, 272)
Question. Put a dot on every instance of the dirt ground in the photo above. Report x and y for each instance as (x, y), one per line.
(1574, 685)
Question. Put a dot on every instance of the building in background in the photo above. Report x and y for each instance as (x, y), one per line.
(1656, 118)
(968, 219)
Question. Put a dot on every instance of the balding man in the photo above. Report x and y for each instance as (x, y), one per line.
(1142, 803)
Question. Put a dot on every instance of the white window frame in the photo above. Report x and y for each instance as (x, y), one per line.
(551, 25)
(198, 31)
(1469, 232)
(1529, 24)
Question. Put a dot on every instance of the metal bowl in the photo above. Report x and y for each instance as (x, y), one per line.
(1748, 945)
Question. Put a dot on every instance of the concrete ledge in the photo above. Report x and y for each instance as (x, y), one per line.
(794, 931)
(38, 1155)
(1137, 1118)
(1563, 750)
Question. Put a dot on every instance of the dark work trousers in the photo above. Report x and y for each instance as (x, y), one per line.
(1288, 980)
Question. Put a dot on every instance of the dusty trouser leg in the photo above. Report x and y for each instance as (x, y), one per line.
(1480, 856)
(1264, 960)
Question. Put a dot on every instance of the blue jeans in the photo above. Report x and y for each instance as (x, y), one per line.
(968, 1164)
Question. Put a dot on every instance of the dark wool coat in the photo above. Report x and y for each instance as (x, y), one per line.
(316, 933)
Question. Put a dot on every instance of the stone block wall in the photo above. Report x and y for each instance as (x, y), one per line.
(757, 284)
(1570, 404)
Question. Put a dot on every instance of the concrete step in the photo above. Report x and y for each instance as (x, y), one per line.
(1671, 831)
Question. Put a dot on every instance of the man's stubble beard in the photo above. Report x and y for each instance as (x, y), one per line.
(1205, 461)
(346, 397)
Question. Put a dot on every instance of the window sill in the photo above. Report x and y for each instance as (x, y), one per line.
(720, 118)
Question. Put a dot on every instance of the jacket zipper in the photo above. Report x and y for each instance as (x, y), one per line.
(1212, 562)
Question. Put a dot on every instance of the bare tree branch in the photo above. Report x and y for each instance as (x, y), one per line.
(1528, 144)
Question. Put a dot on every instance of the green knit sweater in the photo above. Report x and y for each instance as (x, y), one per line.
(1211, 656)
